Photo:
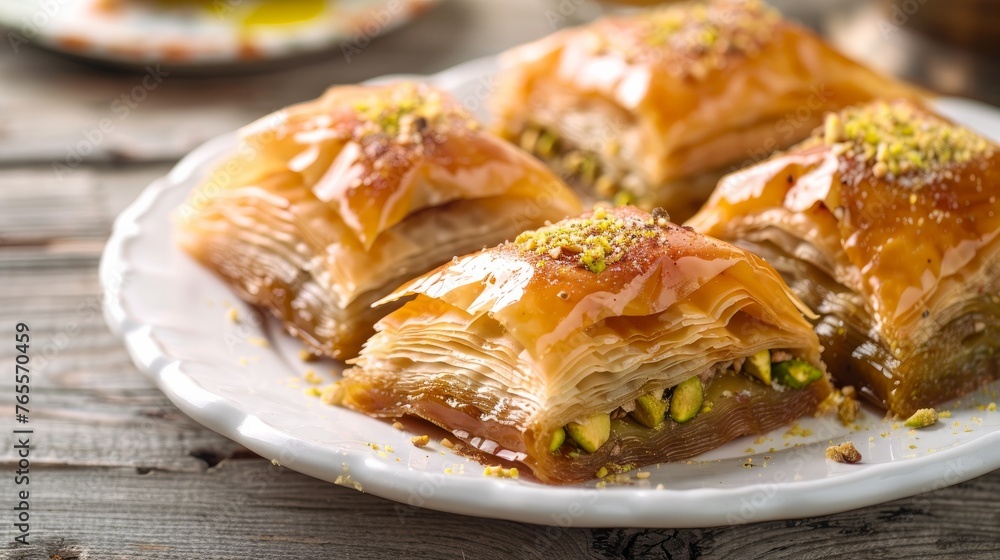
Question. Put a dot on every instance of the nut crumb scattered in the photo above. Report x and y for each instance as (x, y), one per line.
(843, 453)
(233, 315)
(848, 409)
(602, 472)
(921, 418)
(447, 443)
(797, 431)
(312, 392)
(398, 425)
(642, 475)
(944, 414)
(312, 377)
(420, 441)
(257, 341)
(500, 472)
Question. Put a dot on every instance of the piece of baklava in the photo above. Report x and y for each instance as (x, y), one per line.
(595, 345)
(653, 108)
(887, 223)
(330, 205)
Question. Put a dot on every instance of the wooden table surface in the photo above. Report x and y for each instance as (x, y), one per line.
(118, 472)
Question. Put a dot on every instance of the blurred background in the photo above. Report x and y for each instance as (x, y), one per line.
(170, 74)
(100, 98)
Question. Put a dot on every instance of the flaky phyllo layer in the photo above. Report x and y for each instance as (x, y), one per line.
(330, 205)
(887, 222)
(645, 107)
(564, 348)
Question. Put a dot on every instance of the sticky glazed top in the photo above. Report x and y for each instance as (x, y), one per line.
(376, 154)
(661, 83)
(900, 203)
(612, 277)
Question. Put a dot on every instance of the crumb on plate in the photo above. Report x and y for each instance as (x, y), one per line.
(921, 418)
(843, 453)
(500, 472)
(312, 377)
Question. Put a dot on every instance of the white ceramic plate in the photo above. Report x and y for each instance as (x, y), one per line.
(243, 380)
(201, 32)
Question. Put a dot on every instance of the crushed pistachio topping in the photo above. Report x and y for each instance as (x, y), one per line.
(420, 441)
(899, 139)
(407, 112)
(921, 418)
(595, 242)
(696, 37)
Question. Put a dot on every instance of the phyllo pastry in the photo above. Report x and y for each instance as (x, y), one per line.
(595, 345)
(887, 223)
(330, 205)
(653, 108)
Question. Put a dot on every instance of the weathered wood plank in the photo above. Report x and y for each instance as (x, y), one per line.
(251, 509)
(40, 207)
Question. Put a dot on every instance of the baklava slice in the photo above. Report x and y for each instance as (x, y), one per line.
(887, 223)
(327, 206)
(654, 107)
(595, 345)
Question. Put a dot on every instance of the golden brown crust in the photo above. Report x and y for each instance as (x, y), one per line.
(679, 91)
(888, 220)
(866, 220)
(329, 205)
(543, 299)
(577, 320)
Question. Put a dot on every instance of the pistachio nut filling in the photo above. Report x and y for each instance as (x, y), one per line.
(686, 400)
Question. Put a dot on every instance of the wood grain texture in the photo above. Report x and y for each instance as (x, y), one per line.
(120, 473)
(52, 109)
